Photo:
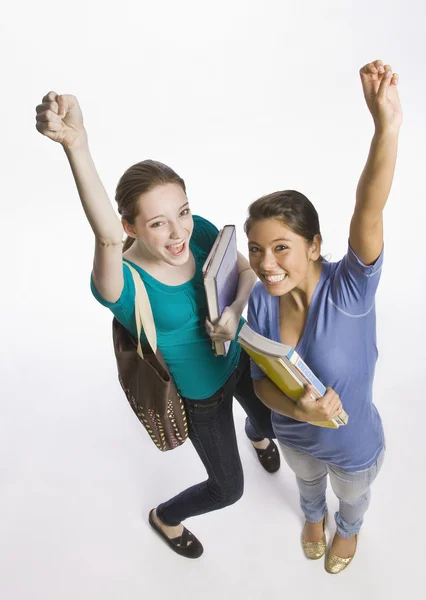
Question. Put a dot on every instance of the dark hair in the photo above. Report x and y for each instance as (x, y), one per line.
(137, 180)
(291, 207)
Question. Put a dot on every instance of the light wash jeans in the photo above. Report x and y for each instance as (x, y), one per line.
(352, 489)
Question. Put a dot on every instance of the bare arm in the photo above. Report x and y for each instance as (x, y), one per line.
(274, 399)
(305, 409)
(366, 230)
(107, 262)
(247, 279)
(60, 119)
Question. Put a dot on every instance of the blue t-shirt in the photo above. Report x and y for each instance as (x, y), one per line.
(339, 345)
(179, 314)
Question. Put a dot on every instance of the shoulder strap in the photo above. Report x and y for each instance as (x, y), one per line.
(143, 312)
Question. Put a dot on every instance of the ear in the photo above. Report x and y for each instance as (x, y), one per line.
(315, 248)
(128, 228)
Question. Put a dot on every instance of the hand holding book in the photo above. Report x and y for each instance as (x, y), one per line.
(292, 376)
(221, 277)
(226, 327)
(310, 409)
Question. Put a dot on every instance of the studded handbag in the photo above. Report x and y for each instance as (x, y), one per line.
(145, 378)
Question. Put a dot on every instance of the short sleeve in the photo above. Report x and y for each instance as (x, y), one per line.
(204, 233)
(253, 323)
(354, 284)
(124, 308)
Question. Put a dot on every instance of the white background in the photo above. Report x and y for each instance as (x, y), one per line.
(241, 99)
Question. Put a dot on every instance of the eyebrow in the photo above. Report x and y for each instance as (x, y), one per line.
(273, 241)
(158, 216)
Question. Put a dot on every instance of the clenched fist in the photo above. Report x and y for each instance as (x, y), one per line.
(60, 119)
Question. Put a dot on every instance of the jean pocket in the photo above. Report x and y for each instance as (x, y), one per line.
(204, 406)
(207, 406)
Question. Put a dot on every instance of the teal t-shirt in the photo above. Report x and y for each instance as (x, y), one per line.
(179, 315)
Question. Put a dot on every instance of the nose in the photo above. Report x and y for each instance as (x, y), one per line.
(268, 261)
(176, 231)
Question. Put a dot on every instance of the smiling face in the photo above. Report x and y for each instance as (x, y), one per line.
(282, 259)
(164, 224)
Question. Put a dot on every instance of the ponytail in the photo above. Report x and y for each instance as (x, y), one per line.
(127, 243)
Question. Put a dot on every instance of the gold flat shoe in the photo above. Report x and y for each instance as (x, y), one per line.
(334, 564)
(315, 550)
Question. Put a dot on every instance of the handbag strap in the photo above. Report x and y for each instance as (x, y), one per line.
(143, 312)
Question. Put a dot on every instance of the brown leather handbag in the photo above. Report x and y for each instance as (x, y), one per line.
(145, 378)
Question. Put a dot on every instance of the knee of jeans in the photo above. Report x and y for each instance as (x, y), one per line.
(311, 479)
(227, 494)
(352, 498)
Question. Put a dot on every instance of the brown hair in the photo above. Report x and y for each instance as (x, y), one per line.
(137, 180)
(291, 207)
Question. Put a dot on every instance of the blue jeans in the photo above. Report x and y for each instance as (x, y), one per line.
(212, 433)
(351, 488)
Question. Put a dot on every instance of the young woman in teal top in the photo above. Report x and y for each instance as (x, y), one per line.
(168, 247)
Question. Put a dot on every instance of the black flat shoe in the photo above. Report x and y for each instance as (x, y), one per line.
(186, 544)
(269, 458)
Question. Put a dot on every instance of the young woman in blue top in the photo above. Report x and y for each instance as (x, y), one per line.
(168, 247)
(326, 312)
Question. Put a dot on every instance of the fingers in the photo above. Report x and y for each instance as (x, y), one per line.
(369, 69)
(374, 70)
(50, 97)
(212, 333)
(332, 403)
(53, 106)
(45, 128)
(327, 407)
(308, 394)
(63, 105)
(385, 83)
(58, 104)
(377, 70)
(224, 318)
(49, 116)
(379, 66)
(395, 79)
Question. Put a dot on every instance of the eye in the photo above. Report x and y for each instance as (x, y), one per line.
(157, 224)
(280, 248)
(185, 212)
(253, 249)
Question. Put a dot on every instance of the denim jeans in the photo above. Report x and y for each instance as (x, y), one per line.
(212, 433)
(351, 488)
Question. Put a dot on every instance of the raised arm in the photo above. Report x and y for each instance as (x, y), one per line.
(60, 119)
(381, 95)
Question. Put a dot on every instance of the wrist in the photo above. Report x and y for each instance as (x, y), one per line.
(389, 132)
(300, 414)
(237, 307)
(80, 144)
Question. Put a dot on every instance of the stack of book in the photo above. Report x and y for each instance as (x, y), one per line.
(282, 364)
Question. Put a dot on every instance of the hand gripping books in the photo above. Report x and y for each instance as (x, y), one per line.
(286, 369)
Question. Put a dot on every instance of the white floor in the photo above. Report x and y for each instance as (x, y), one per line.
(78, 476)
